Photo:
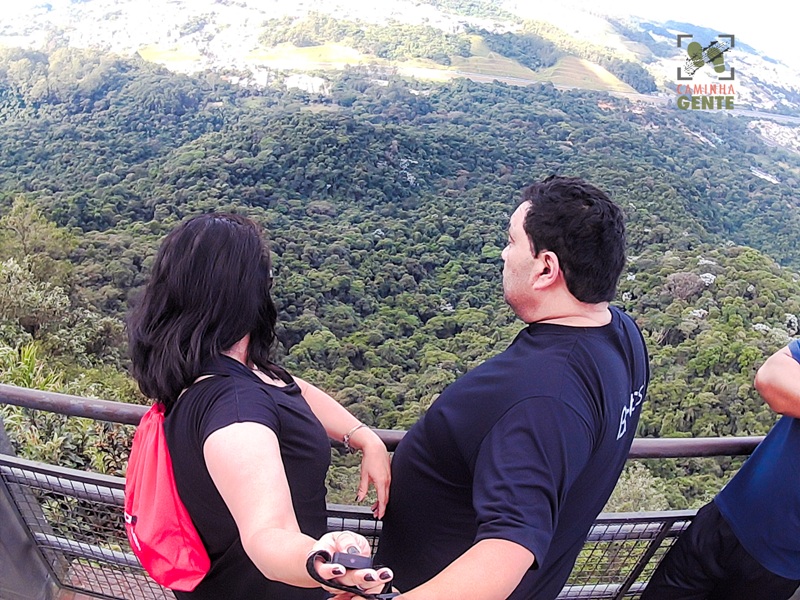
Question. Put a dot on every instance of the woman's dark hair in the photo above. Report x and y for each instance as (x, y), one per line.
(584, 228)
(209, 287)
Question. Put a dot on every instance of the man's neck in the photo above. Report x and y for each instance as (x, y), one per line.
(577, 314)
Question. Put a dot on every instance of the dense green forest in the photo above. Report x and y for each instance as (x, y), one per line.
(473, 8)
(395, 41)
(530, 50)
(386, 204)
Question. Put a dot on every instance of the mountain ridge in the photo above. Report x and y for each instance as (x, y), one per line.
(225, 35)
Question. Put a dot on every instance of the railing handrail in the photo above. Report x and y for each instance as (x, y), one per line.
(131, 414)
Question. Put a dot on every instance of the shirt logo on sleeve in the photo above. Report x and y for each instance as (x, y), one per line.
(627, 411)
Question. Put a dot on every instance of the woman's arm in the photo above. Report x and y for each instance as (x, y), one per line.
(244, 461)
(338, 422)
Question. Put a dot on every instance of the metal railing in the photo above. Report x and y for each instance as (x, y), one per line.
(74, 520)
(130, 414)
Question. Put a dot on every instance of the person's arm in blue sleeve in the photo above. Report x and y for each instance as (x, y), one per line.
(778, 380)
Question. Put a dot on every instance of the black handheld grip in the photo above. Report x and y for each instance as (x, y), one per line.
(352, 561)
(342, 559)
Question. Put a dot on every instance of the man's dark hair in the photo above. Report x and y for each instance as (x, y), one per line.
(209, 287)
(584, 228)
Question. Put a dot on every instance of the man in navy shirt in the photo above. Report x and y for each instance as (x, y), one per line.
(745, 544)
(495, 488)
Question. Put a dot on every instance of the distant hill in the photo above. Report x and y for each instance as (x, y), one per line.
(436, 39)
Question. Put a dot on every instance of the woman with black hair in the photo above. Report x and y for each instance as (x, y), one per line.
(249, 442)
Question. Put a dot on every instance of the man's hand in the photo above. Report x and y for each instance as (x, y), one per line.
(490, 570)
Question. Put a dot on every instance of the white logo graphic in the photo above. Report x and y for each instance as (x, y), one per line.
(627, 411)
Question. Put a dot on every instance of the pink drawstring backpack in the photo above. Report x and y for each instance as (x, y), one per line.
(159, 528)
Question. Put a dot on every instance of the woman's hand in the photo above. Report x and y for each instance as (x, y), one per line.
(375, 467)
(368, 580)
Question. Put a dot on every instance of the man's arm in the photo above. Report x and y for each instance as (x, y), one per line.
(489, 570)
(778, 381)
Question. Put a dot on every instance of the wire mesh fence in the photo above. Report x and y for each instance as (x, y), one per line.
(621, 552)
(76, 521)
(355, 518)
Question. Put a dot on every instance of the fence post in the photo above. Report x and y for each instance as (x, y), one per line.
(23, 573)
(5, 443)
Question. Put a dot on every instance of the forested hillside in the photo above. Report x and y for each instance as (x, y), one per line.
(386, 203)
(536, 45)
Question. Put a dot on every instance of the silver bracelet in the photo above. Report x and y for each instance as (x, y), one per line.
(349, 434)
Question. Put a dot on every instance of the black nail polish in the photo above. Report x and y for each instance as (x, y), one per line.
(337, 571)
(384, 576)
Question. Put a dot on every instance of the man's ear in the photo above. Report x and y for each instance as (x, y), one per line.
(549, 269)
